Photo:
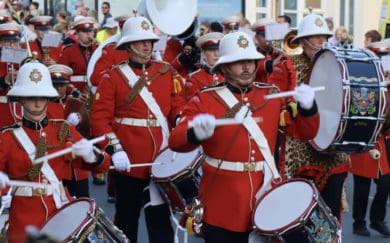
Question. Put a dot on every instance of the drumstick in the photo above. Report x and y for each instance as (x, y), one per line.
(140, 165)
(289, 93)
(66, 151)
(226, 121)
(17, 183)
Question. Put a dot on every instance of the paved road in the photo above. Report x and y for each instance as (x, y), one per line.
(99, 193)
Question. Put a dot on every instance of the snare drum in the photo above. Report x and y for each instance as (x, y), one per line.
(81, 221)
(295, 205)
(352, 107)
(178, 176)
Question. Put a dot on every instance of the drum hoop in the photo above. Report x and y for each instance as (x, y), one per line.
(82, 228)
(199, 157)
(293, 224)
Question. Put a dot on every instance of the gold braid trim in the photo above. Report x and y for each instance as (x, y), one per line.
(230, 113)
(63, 133)
(40, 150)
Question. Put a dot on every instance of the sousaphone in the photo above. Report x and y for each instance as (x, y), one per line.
(173, 17)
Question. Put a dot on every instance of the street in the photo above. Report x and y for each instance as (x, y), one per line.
(99, 194)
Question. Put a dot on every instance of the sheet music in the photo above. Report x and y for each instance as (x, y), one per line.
(276, 31)
(51, 39)
(13, 55)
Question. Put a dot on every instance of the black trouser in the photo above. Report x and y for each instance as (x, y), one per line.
(213, 234)
(77, 188)
(332, 193)
(130, 198)
(360, 198)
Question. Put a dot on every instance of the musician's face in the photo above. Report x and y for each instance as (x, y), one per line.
(312, 44)
(34, 107)
(85, 37)
(240, 74)
(40, 33)
(210, 56)
(140, 51)
(61, 89)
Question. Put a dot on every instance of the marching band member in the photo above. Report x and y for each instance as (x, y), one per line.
(106, 56)
(77, 55)
(208, 44)
(238, 160)
(139, 101)
(298, 158)
(74, 179)
(9, 37)
(372, 165)
(42, 26)
(35, 136)
(231, 24)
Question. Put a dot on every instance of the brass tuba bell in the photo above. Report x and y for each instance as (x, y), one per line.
(289, 47)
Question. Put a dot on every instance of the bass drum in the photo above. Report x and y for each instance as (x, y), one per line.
(352, 107)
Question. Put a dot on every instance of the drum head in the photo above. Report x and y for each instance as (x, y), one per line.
(68, 219)
(326, 72)
(283, 206)
(173, 163)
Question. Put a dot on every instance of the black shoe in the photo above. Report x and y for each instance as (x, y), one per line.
(110, 199)
(381, 227)
(361, 229)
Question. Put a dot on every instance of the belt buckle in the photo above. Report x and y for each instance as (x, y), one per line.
(249, 166)
(151, 123)
(38, 191)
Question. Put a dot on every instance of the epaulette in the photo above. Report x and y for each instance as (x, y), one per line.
(57, 120)
(213, 87)
(272, 88)
(68, 45)
(115, 66)
(9, 128)
(194, 72)
(161, 61)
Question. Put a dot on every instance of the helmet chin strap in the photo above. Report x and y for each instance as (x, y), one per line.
(311, 46)
(138, 53)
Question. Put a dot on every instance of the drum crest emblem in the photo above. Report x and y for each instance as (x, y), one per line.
(363, 102)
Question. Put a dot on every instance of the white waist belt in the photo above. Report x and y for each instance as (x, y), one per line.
(28, 191)
(235, 166)
(78, 78)
(3, 99)
(137, 122)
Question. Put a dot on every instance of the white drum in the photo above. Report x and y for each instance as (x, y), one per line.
(295, 204)
(178, 176)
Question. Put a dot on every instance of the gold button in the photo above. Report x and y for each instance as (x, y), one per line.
(248, 104)
(245, 99)
(252, 158)
(253, 152)
(148, 83)
(150, 116)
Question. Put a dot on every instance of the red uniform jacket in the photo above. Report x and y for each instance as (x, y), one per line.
(200, 79)
(56, 110)
(77, 57)
(172, 51)
(140, 143)
(229, 196)
(15, 162)
(35, 46)
(10, 112)
(364, 165)
(109, 57)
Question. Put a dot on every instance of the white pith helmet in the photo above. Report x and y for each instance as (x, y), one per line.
(312, 24)
(136, 29)
(237, 46)
(33, 80)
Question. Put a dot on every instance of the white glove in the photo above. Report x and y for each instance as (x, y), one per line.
(73, 119)
(121, 161)
(304, 95)
(4, 180)
(204, 125)
(6, 200)
(84, 149)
